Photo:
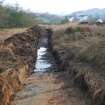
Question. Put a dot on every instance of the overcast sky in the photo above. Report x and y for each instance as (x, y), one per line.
(60, 7)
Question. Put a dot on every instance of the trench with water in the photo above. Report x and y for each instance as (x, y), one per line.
(44, 87)
(45, 60)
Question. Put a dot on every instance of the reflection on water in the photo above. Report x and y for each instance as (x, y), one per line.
(43, 60)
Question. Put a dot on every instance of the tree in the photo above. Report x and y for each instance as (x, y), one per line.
(65, 20)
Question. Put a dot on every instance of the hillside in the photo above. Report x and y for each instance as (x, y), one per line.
(49, 18)
(16, 17)
(91, 13)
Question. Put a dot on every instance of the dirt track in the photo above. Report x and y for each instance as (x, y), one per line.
(49, 89)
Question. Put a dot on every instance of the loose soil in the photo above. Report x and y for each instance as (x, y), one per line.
(6, 33)
(49, 89)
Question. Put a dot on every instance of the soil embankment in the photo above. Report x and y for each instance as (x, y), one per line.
(17, 58)
(48, 85)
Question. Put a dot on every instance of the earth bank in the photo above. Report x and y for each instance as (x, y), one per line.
(17, 58)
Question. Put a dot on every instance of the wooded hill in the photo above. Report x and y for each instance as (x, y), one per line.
(14, 16)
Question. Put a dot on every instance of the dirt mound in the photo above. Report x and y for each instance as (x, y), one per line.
(7, 58)
(17, 59)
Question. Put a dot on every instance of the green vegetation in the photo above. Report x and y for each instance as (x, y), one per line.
(65, 20)
(16, 17)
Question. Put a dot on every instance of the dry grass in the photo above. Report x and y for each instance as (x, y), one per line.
(6, 33)
(82, 50)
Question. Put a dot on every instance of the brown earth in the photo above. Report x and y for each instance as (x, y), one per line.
(50, 89)
(6, 33)
(17, 58)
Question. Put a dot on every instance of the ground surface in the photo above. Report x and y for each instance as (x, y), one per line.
(49, 89)
(6, 33)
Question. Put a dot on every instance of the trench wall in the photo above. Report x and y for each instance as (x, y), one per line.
(17, 61)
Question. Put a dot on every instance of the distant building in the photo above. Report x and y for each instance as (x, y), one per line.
(99, 21)
(83, 19)
(71, 19)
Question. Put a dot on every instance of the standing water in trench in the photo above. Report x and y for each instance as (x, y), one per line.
(45, 60)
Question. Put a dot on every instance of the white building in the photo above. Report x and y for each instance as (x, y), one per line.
(83, 19)
(71, 19)
(99, 21)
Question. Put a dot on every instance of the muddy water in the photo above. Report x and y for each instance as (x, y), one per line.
(45, 61)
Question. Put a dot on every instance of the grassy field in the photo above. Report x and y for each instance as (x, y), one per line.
(81, 50)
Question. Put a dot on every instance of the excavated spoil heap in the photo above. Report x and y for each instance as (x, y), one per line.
(17, 58)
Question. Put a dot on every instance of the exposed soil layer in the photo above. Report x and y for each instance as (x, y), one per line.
(6, 33)
(49, 89)
(17, 59)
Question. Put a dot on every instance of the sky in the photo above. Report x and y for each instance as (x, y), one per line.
(59, 7)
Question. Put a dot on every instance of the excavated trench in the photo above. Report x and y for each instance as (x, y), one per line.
(45, 61)
(29, 66)
(46, 86)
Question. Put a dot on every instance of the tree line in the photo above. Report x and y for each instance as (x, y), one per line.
(16, 17)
